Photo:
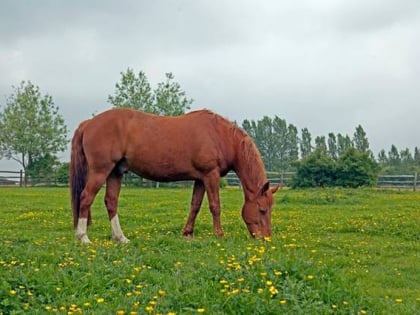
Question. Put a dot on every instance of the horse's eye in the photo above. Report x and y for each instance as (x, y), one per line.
(263, 211)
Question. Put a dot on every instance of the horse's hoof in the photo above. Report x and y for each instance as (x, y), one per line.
(219, 233)
(188, 235)
(84, 239)
(122, 239)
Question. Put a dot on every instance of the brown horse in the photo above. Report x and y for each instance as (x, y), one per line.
(200, 146)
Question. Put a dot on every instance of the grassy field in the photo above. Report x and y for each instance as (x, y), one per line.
(333, 251)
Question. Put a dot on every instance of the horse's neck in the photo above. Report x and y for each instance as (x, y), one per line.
(250, 169)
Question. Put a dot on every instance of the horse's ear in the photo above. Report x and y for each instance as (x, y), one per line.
(274, 189)
(264, 188)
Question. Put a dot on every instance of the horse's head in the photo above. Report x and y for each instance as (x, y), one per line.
(257, 212)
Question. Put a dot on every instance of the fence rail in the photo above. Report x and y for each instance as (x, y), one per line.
(398, 181)
(17, 178)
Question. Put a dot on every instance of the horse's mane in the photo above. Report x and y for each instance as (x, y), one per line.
(247, 150)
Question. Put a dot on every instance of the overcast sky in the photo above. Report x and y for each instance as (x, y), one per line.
(328, 65)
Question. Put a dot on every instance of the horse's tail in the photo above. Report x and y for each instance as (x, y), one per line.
(78, 172)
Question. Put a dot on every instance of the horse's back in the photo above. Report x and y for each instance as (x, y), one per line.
(158, 147)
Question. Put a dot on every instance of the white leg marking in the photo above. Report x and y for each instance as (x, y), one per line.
(81, 231)
(117, 233)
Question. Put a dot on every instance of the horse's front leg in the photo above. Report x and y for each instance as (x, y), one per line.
(113, 186)
(212, 188)
(197, 198)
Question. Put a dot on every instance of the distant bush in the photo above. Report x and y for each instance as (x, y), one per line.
(352, 169)
(316, 170)
(355, 169)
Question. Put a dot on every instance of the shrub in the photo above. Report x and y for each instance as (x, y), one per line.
(317, 169)
(355, 169)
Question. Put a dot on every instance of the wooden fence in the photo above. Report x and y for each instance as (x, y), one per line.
(17, 178)
(398, 181)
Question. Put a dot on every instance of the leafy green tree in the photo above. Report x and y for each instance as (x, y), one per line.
(343, 143)
(170, 99)
(265, 141)
(134, 91)
(417, 156)
(332, 145)
(360, 139)
(394, 157)
(355, 169)
(292, 145)
(382, 158)
(320, 143)
(406, 157)
(250, 127)
(31, 126)
(277, 141)
(305, 143)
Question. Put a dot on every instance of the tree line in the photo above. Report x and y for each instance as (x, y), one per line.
(33, 132)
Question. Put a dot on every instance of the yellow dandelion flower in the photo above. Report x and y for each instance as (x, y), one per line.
(171, 313)
(269, 283)
(100, 300)
(363, 312)
(120, 312)
(310, 277)
(398, 300)
(283, 301)
(200, 310)
(161, 292)
(12, 292)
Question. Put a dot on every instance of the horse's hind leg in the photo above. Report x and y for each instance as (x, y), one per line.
(87, 197)
(197, 198)
(113, 186)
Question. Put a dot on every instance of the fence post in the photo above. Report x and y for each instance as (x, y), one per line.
(21, 178)
(415, 181)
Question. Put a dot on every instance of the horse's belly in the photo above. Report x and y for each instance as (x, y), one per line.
(164, 172)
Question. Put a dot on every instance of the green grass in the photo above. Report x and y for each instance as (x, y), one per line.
(333, 251)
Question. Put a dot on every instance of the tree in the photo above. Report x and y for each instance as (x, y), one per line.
(170, 99)
(332, 145)
(360, 139)
(134, 91)
(382, 158)
(305, 143)
(31, 126)
(417, 156)
(394, 157)
(277, 141)
(320, 143)
(343, 143)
